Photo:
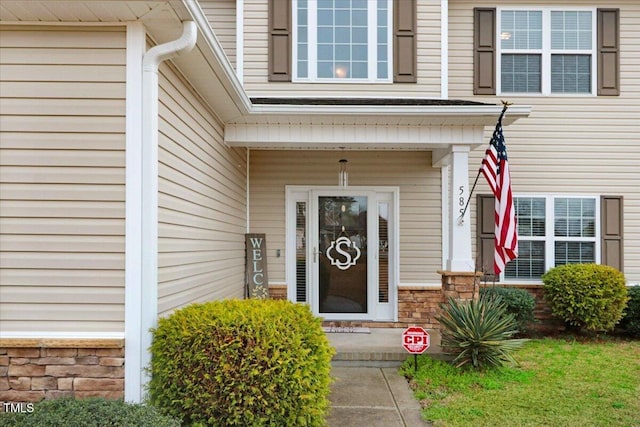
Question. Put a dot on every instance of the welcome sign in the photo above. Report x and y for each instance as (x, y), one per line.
(256, 265)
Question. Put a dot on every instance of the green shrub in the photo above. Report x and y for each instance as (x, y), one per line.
(630, 323)
(242, 363)
(479, 332)
(517, 301)
(93, 412)
(587, 296)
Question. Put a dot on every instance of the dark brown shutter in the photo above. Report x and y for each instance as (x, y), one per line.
(279, 40)
(612, 245)
(404, 41)
(484, 51)
(609, 52)
(485, 233)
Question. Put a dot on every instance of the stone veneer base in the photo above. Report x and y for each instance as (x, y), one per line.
(419, 306)
(36, 369)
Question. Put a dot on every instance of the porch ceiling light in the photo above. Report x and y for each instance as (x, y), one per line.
(343, 175)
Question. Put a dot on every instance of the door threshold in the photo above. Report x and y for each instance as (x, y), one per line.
(346, 330)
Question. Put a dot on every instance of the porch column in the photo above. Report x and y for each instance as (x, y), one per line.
(459, 258)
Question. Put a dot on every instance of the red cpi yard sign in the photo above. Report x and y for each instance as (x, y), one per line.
(415, 340)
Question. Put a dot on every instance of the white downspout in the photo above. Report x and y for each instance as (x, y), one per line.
(149, 280)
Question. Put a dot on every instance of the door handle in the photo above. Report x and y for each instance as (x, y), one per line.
(316, 252)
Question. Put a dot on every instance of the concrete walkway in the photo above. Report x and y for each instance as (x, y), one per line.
(372, 397)
(368, 391)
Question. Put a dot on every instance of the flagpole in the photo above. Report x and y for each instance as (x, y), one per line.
(505, 105)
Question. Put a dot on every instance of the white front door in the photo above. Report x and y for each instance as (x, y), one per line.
(342, 251)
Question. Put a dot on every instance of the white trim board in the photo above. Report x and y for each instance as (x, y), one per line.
(61, 335)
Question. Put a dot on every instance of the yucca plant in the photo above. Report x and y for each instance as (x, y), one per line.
(479, 332)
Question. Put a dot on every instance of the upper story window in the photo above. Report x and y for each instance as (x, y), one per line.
(342, 40)
(547, 51)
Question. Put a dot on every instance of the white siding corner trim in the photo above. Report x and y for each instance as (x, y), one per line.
(444, 179)
(240, 40)
(133, 221)
(444, 49)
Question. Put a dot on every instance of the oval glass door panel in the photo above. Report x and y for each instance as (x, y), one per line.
(342, 254)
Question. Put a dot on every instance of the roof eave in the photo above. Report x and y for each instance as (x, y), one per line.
(474, 112)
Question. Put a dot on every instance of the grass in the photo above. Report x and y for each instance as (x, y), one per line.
(560, 382)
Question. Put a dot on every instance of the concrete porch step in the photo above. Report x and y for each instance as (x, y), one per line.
(379, 347)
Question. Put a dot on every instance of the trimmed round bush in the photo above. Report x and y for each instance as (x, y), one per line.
(92, 412)
(517, 301)
(242, 363)
(586, 296)
(630, 323)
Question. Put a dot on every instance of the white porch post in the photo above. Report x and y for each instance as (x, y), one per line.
(459, 258)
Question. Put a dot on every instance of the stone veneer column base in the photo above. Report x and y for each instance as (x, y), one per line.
(36, 369)
(462, 286)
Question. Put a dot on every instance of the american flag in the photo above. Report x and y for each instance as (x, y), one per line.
(495, 168)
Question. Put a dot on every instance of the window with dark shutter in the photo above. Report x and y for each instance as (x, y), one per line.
(568, 228)
(485, 233)
(609, 52)
(484, 55)
(612, 242)
(404, 50)
(404, 41)
(279, 40)
(557, 62)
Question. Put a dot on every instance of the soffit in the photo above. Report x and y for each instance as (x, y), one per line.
(109, 11)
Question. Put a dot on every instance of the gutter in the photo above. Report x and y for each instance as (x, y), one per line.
(149, 228)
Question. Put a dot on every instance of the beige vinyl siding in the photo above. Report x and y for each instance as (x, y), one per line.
(569, 144)
(202, 200)
(420, 207)
(428, 63)
(222, 17)
(62, 179)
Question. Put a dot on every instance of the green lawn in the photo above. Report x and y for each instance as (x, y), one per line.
(559, 383)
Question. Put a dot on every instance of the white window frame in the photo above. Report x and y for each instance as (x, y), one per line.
(312, 42)
(550, 239)
(546, 51)
(377, 311)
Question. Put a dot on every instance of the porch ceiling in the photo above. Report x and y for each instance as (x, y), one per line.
(389, 123)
